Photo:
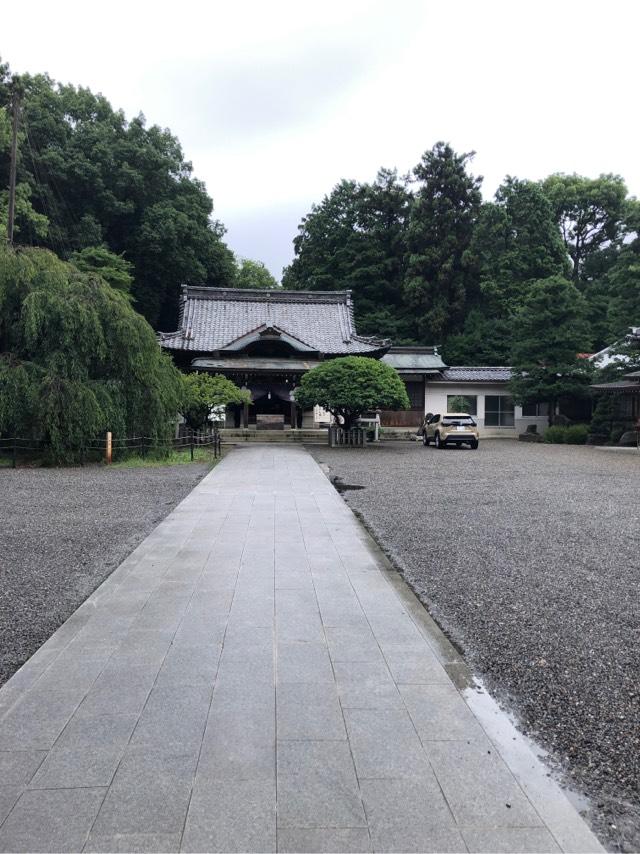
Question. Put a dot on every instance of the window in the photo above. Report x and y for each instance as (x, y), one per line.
(462, 403)
(534, 410)
(434, 420)
(415, 390)
(498, 411)
(625, 406)
(462, 421)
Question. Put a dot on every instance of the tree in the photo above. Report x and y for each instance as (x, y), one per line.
(76, 359)
(38, 223)
(549, 333)
(114, 269)
(349, 386)
(590, 213)
(486, 339)
(515, 242)
(254, 274)
(438, 235)
(623, 281)
(100, 179)
(204, 394)
(354, 239)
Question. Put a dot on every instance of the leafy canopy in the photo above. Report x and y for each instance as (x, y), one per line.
(89, 177)
(550, 331)
(76, 359)
(349, 386)
(114, 269)
(590, 213)
(203, 394)
(354, 239)
(254, 274)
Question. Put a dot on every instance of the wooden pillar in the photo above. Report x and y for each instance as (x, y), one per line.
(245, 415)
(294, 415)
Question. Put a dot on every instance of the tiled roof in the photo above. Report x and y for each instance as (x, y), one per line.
(212, 318)
(477, 375)
(414, 359)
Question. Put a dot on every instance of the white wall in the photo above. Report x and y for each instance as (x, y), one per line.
(436, 401)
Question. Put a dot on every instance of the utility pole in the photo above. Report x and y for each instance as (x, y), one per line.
(15, 107)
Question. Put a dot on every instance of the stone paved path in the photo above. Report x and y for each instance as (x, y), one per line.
(251, 679)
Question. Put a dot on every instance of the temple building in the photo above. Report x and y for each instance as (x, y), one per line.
(265, 340)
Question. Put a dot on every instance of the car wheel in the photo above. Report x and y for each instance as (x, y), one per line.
(425, 439)
(474, 445)
(439, 443)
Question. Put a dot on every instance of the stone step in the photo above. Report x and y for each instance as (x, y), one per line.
(231, 436)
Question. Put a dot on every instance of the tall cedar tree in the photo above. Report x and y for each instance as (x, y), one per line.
(100, 179)
(440, 227)
(549, 332)
(515, 242)
(355, 239)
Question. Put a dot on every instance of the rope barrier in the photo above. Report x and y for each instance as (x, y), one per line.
(15, 445)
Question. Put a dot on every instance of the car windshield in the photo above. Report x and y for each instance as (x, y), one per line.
(459, 421)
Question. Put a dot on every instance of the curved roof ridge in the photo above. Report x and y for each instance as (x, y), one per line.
(263, 294)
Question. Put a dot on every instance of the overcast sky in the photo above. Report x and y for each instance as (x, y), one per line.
(276, 101)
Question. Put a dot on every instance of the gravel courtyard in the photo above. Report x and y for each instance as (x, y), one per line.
(527, 555)
(62, 531)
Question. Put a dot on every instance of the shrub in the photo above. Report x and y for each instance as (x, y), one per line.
(351, 385)
(576, 434)
(555, 435)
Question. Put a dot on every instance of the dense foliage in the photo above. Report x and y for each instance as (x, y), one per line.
(355, 239)
(205, 394)
(254, 274)
(443, 214)
(550, 331)
(349, 386)
(428, 263)
(87, 177)
(76, 359)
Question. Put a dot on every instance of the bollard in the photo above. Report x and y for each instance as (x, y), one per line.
(108, 449)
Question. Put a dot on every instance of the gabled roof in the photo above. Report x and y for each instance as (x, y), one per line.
(265, 332)
(477, 375)
(211, 319)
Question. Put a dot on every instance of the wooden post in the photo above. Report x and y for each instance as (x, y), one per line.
(15, 452)
(245, 416)
(108, 450)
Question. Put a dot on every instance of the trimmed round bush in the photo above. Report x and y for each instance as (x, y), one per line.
(555, 435)
(576, 434)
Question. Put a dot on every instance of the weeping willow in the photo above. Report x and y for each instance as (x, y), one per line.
(76, 359)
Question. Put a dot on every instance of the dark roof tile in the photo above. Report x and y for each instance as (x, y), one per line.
(477, 375)
(211, 318)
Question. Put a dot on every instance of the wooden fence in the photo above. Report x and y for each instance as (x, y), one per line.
(111, 447)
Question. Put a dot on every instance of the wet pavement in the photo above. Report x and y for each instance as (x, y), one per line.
(254, 678)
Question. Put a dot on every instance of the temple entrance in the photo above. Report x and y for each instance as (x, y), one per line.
(269, 399)
(269, 404)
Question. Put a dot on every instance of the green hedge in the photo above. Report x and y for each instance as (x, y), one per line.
(574, 435)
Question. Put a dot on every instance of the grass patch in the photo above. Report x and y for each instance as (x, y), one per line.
(174, 458)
